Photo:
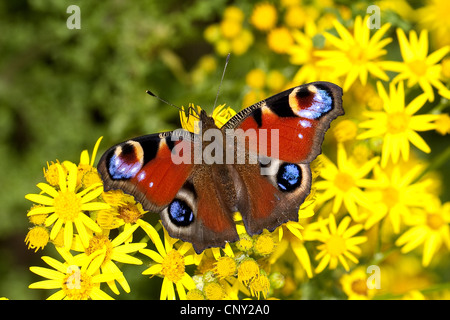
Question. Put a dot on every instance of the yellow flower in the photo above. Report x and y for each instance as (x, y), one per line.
(51, 173)
(397, 124)
(289, 234)
(230, 28)
(255, 78)
(129, 211)
(195, 294)
(355, 286)
(275, 80)
(169, 263)
(260, 284)
(418, 66)
(339, 243)
(103, 252)
(357, 54)
(222, 47)
(446, 68)
(345, 131)
(395, 195)
(38, 219)
(344, 183)
(414, 295)
(221, 115)
(264, 244)
(212, 33)
(430, 228)
(66, 205)
(37, 238)
(87, 173)
(264, 16)
(242, 42)
(233, 13)
(295, 16)
(304, 53)
(245, 242)
(248, 269)
(443, 124)
(225, 267)
(74, 281)
(280, 40)
(189, 122)
(214, 291)
(434, 17)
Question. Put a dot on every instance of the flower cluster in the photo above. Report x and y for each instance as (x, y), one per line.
(376, 201)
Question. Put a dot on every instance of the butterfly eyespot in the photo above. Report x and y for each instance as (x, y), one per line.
(126, 161)
(180, 213)
(289, 177)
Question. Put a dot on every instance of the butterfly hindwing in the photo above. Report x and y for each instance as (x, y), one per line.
(270, 199)
(202, 199)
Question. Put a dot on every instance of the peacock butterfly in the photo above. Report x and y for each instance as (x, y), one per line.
(257, 164)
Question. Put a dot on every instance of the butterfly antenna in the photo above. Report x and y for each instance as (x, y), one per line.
(221, 80)
(170, 104)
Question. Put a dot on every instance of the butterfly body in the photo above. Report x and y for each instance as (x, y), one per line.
(256, 164)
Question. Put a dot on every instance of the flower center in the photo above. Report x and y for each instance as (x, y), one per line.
(245, 242)
(435, 221)
(359, 286)
(344, 181)
(418, 67)
(214, 291)
(67, 205)
(260, 284)
(225, 267)
(90, 177)
(77, 285)
(397, 122)
(107, 219)
(390, 196)
(358, 55)
(264, 245)
(173, 266)
(129, 213)
(247, 270)
(51, 174)
(335, 245)
(99, 243)
(195, 294)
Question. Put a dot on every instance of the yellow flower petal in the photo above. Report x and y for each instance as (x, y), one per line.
(48, 189)
(154, 236)
(47, 273)
(154, 269)
(46, 284)
(418, 141)
(40, 199)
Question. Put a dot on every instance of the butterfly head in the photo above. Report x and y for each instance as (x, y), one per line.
(206, 121)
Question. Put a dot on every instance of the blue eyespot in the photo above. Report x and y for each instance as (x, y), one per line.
(180, 213)
(289, 177)
(119, 168)
(321, 104)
